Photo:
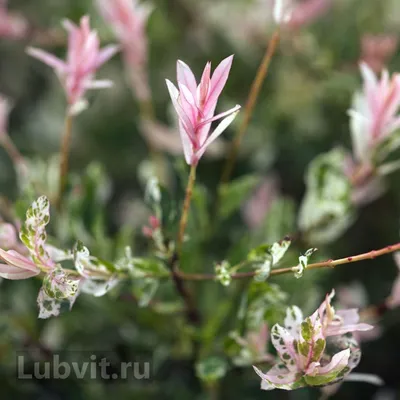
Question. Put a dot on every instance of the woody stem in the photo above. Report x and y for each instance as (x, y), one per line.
(9, 146)
(251, 102)
(281, 271)
(186, 206)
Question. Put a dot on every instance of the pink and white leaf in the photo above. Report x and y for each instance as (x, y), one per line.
(293, 320)
(48, 307)
(278, 377)
(84, 58)
(195, 106)
(338, 362)
(8, 236)
(217, 84)
(283, 342)
(17, 267)
(33, 233)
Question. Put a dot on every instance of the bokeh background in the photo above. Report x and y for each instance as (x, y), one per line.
(302, 111)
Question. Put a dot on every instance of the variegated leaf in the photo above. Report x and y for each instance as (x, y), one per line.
(33, 233)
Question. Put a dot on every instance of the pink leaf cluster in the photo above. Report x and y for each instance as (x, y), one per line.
(374, 114)
(154, 225)
(340, 322)
(57, 284)
(33, 235)
(128, 19)
(84, 58)
(195, 105)
(301, 347)
(11, 26)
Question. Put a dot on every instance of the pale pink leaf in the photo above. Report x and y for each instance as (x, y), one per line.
(218, 82)
(15, 273)
(185, 76)
(218, 130)
(338, 362)
(15, 259)
(47, 58)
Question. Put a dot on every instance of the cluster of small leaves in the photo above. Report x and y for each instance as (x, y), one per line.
(303, 263)
(211, 369)
(304, 358)
(58, 285)
(267, 256)
(222, 273)
(100, 276)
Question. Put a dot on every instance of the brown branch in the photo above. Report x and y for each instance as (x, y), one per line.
(281, 271)
(185, 210)
(192, 313)
(251, 102)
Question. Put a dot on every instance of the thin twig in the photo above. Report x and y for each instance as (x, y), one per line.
(251, 102)
(185, 210)
(12, 151)
(281, 271)
(192, 313)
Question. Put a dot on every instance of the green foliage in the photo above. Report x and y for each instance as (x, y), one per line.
(222, 272)
(303, 263)
(301, 113)
(262, 302)
(326, 211)
(266, 256)
(233, 194)
(33, 233)
(211, 369)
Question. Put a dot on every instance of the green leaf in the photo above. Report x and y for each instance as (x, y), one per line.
(48, 306)
(326, 210)
(57, 285)
(318, 350)
(223, 274)
(33, 233)
(263, 300)
(307, 330)
(148, 266)
(234, 193)
(303, 263)
(321, 380)
(267, 256)
(280, 219)
(153, 193)
(100, 276)
(144, 290)
(279, 249)
(211, 369)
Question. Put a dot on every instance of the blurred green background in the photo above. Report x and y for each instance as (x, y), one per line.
(302, 111)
